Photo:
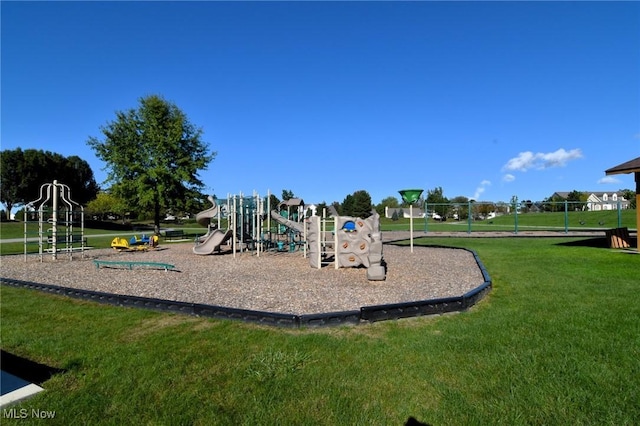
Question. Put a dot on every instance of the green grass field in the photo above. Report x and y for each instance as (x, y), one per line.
(548, 221)
(96, 238)
(556, 342)
(556, 221)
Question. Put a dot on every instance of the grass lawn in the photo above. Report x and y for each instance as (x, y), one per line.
(548, 221)
(555, 221)
(557, 341)
(96, 238)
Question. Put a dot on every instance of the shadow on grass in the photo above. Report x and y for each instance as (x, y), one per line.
(596, 242)
(26, 369)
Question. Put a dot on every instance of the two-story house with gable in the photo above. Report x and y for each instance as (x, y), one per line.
(598, 201)
(606, 201)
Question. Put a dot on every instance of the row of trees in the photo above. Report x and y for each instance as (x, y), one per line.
(153, 154)
(459, 206)
(22, 173)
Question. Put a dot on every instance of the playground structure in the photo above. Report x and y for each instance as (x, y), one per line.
(342, 240)
(410, 196)
(288, 233)
(244, 220)
(345, 241)
(60, 222)
(356, 242)
(232, 210)
(134, 244)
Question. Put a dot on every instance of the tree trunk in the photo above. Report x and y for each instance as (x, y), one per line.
(156, 217)
(9, 207)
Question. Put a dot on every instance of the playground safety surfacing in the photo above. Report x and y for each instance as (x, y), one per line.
(20, 378)
(365, 313)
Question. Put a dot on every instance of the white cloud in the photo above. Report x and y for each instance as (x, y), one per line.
(508, 178)
(522, 162)
(480, 189)
(608, 179)
(540, 161)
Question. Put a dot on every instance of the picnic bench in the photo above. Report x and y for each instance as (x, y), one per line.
(131, 263)
(177, 234)
(618, 238)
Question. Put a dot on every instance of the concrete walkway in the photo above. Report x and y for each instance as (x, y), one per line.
(14, 389)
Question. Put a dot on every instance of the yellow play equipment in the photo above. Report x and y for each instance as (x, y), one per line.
(135, 244)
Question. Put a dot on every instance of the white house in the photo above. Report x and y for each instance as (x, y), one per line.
(598, 201)
(404, 211)
(606, 201)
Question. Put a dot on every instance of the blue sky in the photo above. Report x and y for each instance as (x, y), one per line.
(484, 99)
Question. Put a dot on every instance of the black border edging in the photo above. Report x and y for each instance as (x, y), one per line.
(212, 311)
(372, 313)
(329, 319)
(412, 309)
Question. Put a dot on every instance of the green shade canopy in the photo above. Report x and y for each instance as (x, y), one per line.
(410, 195)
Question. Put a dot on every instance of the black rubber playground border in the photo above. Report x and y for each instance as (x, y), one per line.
(366, 314)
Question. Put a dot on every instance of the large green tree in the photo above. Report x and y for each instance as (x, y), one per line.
(577, 200)
(22, 173)
(11, 183)
(274, 201)
(460, 206)
(153, 155)
(357, 204)
(554, 203)
(77, 174)
(391, 202)
(287, 194)
(105, 204)
(438, 202)
(631, 196)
